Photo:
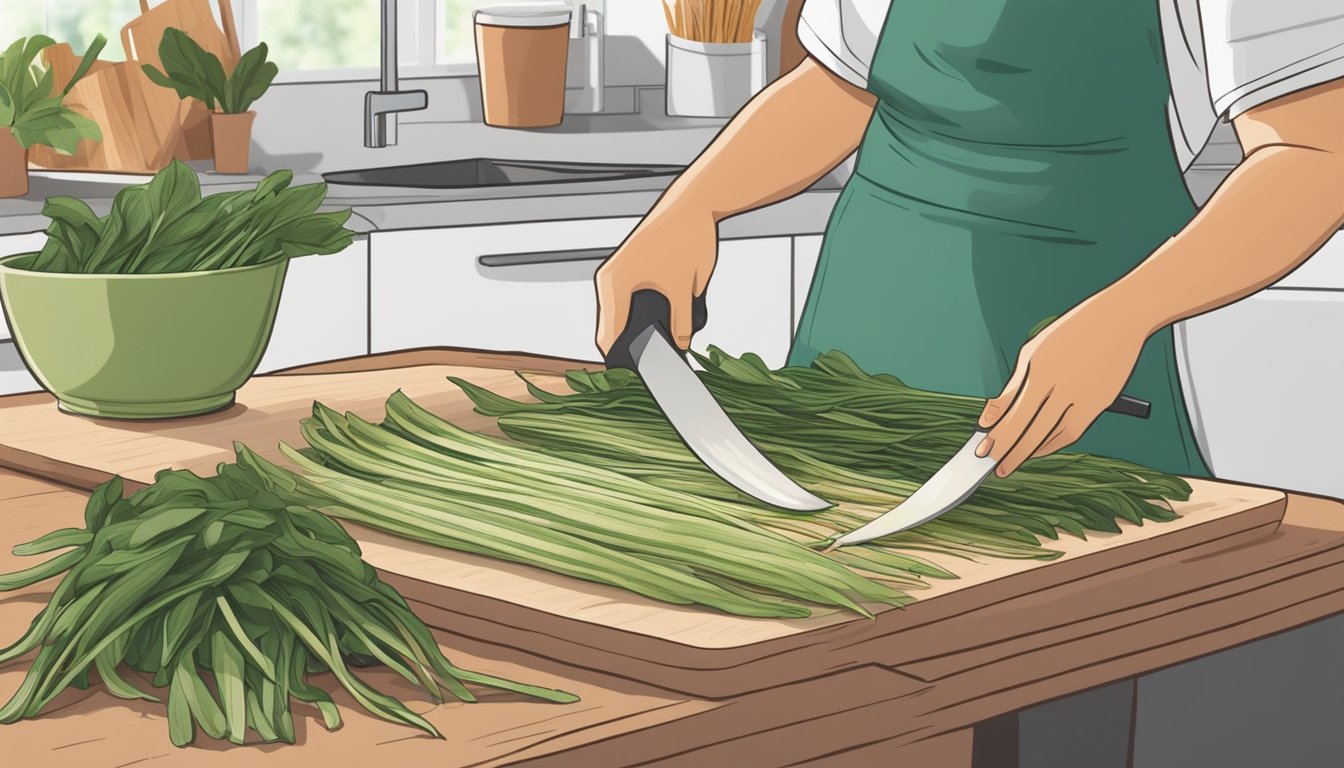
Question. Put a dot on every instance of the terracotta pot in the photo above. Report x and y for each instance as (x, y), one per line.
(194, 142)
(13, 166)
(231, 137)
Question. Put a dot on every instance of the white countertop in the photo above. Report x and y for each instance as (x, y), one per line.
(614, 139)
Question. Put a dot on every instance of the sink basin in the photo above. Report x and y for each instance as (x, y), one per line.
(484, 172)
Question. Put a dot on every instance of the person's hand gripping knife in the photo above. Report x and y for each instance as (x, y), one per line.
(788, 137)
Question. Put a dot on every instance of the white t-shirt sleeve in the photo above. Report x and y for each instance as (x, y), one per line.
(1259, 50)
(842, 34)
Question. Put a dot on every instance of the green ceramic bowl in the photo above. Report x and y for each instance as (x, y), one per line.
(141, 346)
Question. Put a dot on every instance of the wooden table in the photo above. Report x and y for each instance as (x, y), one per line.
(916, 706)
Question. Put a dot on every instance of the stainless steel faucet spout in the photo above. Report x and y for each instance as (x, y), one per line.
(381, 106)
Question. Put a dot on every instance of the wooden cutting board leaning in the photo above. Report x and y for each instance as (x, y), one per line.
(144, 126)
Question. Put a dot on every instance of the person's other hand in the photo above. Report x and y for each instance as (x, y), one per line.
(1066, 376)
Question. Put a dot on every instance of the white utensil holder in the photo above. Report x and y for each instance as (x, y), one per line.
(713, 79)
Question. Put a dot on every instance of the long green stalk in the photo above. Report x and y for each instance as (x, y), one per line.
(594, 483)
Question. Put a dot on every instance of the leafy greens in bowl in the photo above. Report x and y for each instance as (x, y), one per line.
(167, 226)
(164, 307)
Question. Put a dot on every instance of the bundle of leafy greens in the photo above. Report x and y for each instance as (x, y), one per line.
(30, 106)
(595, 484)
(195, 73)
(194, 577)
(856, 439)
(167, 226)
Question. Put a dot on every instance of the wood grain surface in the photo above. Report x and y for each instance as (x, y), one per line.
(688, 650)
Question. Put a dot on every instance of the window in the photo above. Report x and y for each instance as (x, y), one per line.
(308, 39)
(69, 21)
(334, 39)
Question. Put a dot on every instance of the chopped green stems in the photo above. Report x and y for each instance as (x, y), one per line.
(596, 485)
(221, 578)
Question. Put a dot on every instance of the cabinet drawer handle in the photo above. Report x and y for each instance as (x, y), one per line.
(544, 257)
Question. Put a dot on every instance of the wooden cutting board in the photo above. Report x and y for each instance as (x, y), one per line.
(141, 36)
(536, 613)
(143, 126)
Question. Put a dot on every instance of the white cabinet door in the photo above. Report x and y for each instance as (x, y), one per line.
(509, 288)
(750, 300)
(11, 244)
(806, 252)
(1262, 381)
(324, 310)
(529, 288)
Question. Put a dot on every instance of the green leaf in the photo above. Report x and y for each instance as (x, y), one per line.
(250, 80)
(227, 663)
(7, 108)
(58, 539)
(272, 185)
(54, 125)
(174, 191)
(181, 724)
(188, 69)
(41, 91)
(71, 211)
(11, 62)
(126, 228)
(101, 502)
(151, 527)
(90, 56)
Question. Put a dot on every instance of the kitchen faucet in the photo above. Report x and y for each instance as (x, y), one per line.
(381, 106)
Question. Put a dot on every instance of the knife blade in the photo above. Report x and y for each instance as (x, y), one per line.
(645, 346)
(951, 485)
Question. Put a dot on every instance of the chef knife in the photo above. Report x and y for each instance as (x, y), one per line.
(953, 484)
(645, 346)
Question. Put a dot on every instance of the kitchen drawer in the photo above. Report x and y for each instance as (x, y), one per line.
(529, 288)
(324, 310)
(11, 244)
(1262, 380)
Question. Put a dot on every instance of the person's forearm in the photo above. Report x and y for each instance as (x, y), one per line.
(785, 140)
(1270, 215)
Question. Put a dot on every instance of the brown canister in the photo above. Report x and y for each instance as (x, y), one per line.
(522, 52)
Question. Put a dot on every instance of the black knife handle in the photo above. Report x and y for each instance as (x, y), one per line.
(651, 308)
(1131, 406)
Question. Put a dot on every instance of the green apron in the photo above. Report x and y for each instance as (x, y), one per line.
(1018, 161)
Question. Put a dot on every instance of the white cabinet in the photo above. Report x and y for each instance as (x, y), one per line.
(529, 288)
(806, 252)
(1325, 269)
(750, 300)
(324, 310)
(510, 288)
(1262, 381)
(9, 245)
(14, 375)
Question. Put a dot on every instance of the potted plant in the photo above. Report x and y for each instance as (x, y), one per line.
(196, 73)
(164, 306)
(31, 112)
